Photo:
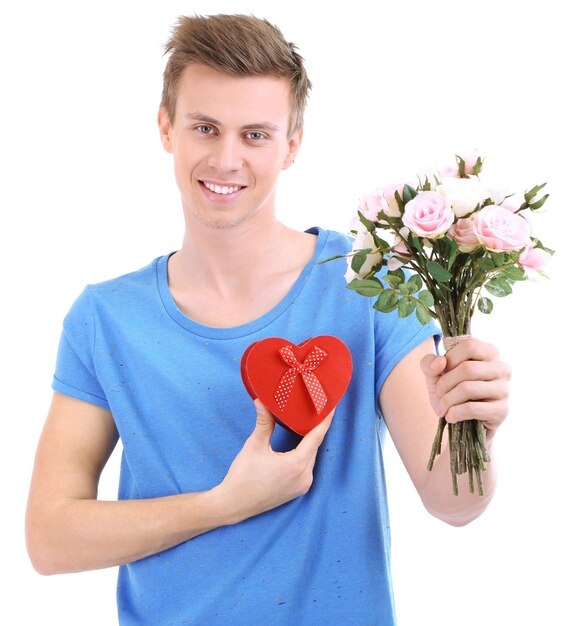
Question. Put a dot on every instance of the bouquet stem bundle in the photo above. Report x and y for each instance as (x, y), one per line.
(467, 444)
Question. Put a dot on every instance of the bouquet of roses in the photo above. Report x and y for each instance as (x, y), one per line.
(462, 239)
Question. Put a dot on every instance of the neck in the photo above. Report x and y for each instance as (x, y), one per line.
(227, 260)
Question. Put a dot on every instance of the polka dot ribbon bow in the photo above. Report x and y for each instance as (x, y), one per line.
(306, 369)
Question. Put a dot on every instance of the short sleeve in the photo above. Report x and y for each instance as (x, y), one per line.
(75, 373)
(395, 337)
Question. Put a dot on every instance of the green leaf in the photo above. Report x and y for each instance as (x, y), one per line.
(387, 301)
(366, 287)
(406, 289)
(377, 267)
(499, 287)
(422, 313)
(408, 193)
(393, 280)
(452, 251)
(538, 204)
(370, 226)
(406, 306)
(485, 305)
(461, 167)
(399, 201)
(437, 272)
(486, 264)
(426, 298)
(398, 273)
(549, 250)
(539, 244)
(427, 186)
(514, 272)
(477, 167)
(498, 258)
(359, 259)
(529, 195)
(415, 243)
(380, 243)
(416, 282)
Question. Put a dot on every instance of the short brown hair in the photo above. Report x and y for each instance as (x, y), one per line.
(240, 45)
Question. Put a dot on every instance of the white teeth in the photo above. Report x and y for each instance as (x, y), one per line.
(224, 190)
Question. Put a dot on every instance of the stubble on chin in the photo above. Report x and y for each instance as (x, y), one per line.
(223, 222)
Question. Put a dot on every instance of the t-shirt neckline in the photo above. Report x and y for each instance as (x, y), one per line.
(211, 332)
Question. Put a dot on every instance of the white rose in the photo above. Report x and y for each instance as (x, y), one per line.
(362, 241)
(496, 189)
(464, 194)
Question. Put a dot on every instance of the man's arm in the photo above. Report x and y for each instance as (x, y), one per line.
(68, 529)
(469, 382)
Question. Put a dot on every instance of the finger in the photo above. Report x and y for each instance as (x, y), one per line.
(309, 445)
(432, 366)
(474, 391)
(264, 423)
(472, 371)
(491, 414)
(471, 350)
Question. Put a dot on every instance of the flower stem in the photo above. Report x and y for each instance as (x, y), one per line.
(437, 445)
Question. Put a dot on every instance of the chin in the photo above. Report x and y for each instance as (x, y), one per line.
(223, 222)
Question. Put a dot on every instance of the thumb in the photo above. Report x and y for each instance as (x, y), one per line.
(433, 366)
(264, 422)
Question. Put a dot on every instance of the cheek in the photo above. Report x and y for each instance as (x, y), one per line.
(182, 171)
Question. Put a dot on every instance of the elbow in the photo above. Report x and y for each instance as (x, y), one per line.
(42, 553)
(457, 521)
(459, 513)
(40, 559)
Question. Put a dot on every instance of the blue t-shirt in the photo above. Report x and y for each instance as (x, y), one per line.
(175, 391)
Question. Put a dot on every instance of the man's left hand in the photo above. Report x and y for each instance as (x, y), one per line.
(469, 382)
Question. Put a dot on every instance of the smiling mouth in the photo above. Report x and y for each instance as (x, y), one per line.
(222, 190)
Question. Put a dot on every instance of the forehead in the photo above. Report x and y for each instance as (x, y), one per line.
(233, 99)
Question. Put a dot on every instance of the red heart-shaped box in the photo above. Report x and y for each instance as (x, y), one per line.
(263, 368)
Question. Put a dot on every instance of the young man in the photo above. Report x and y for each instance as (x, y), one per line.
(219, 520)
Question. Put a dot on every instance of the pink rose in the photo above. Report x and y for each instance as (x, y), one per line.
(388, 194)
(371, 204)
(463, 233)
(510, 205)
(534, 258)
(452, 171)
(429, 215)
(470, 159)
(499, 230)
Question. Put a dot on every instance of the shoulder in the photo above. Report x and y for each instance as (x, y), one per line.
(126, 292)
(334, 242)
(132, 280)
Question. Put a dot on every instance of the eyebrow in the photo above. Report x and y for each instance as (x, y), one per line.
(201, 117)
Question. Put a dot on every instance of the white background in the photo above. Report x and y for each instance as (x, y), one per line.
(86, 193)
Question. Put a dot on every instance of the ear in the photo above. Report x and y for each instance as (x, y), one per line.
(294, 144)
(165, 129)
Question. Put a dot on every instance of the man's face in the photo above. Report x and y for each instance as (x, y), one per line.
(230, 142)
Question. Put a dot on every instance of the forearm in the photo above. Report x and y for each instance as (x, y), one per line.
(83, 534)
(437, 493)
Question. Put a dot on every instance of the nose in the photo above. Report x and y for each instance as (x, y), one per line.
(226, 155)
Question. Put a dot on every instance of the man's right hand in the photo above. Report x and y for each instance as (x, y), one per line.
(69, 530)
(260, 478)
